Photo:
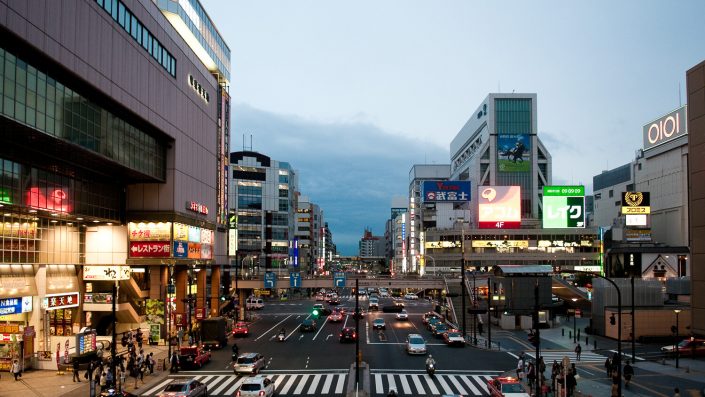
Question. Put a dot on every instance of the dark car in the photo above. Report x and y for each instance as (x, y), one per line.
(348, 334)
(308, 325)
(431, 322)
(334, 301)
(439, 329)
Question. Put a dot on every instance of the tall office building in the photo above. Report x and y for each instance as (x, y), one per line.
(696, 193)
(113, 129)
(371, 246)
(263, 198)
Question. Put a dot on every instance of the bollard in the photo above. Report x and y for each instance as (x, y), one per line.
(586, 341)
(570, 334)
(578, 333)
(594, 344)
(562, 331)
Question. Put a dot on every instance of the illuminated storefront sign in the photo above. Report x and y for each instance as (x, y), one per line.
(194, 250)
(561, 243)
(16, 229)
(15, 305)
(61, 301)
(102, 273)
(160, 231)
(197, 207)
(636, 203)
(500, 243)
(636, 220)
(180, 232)
(232, 242)
(637, 235)
(206, 251)
(563, 207)
(85, 343)
(5, 196)
(206, 236)
(442, 244)
(442, 191)
(180, 249)
(666, 128)
(194, 234)
(52, 199)
(150, 249)
(499, 207)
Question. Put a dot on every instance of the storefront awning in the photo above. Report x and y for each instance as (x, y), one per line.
(17, 281)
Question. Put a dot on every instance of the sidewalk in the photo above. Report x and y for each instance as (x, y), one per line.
(50, 383)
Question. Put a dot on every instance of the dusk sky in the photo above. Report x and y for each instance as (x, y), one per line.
(352, 94)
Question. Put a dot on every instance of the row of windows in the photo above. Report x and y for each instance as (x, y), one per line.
(249, 202)
(284, 205)
(249, 190)
(127, 20)
(34, 98)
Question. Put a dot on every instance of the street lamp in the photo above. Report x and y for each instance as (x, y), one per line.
(462, 272)
(675, 345)
(574, 327)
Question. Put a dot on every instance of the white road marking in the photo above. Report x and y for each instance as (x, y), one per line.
(320, 329)
(314, 383)
(513, 355)
(275, 325)
(302, 383)
(469, 383)
(326, 384)
(288, 385)
(340, 385)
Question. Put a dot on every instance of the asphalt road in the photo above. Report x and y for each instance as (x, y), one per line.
(317, 363)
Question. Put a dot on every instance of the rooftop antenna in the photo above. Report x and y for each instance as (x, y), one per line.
(250, 142)
(243, 142)
(680, 103)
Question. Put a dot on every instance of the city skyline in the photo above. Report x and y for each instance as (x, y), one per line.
(413, 73)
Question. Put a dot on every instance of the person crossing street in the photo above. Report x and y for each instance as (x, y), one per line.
(578, 350)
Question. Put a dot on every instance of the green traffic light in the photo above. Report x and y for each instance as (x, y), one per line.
(315, 312)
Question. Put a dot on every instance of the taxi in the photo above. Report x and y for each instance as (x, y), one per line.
(240, 329)
(508, 386)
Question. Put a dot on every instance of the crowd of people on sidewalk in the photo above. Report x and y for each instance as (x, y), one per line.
(534, 372)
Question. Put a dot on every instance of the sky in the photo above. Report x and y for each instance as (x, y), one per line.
(353, 93)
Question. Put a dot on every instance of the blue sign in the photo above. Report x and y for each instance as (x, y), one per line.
(180, 249)
(15, 305)
(446, 191)
(270, 280)
(339, 280)
(295, 279)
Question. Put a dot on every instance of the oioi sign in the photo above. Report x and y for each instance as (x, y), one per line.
(666, 128)
(563, 207)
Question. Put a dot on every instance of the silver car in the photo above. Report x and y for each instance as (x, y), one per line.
(415, 344)
(184, 388)
(249, 363)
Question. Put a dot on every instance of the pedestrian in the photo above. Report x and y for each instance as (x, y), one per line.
(531, 375)
(16, 370)
(628, 373)
(615, 384)
(555, 371)
(570, 382)
(578, 350)
(520, 369)
(75, 371)
(676, 392)
(174, 361)
(103, 380)
(608, 367)
(150, 362)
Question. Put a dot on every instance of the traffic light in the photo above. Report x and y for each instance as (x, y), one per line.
(315, 313)
(533, 339)
(613, 320)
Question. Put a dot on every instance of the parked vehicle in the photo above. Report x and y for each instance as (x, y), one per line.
(213, 332)
(193, 357)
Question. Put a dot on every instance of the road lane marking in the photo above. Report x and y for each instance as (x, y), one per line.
(223, 385)
(431, 385)
(159, 386)
(301, 385)
(469, 383)
(340, 385)
(378, 383)
(404, 384)
(320, 329)
(391, 383)
(457, 385)
(327, 383)
(513, 355)
(417, 383)
(314, 384)
(288, 385)
(234, 387)
(275, 326)
(444, 385)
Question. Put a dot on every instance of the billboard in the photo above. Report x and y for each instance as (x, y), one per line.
(446, 191)
(499, 207)
(514, 152)
(666, 128)
(563, 207)
(636, 203)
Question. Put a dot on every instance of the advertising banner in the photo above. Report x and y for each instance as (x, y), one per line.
(150, 249)
(151, 231)
(637, 235)
(441, 244)
(61, 301)
(666, 128)
(206, 251)
(206, 236)
(180, 249)
(85, 342)
(194, 234)
(514, 152)
(499, 207)
(636, 203)
(500, 243)
(16, 229)
(637, 220)
(15, 305)
(194, 251)
(443, 191)
(49, 198)
(563, 207)
(180, 232)
(154, 310)
(106, 273)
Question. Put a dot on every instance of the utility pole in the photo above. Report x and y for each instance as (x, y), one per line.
(462, 275)
(489, 312)
(538, 337)
(633, 329)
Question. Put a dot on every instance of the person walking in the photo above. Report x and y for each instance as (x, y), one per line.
(150, 362)
(174, 361)
(520, 369)
(531, 375)
(615, 384)
(75, 371)
(15, 369)
(628, 373)
(570, 382)
(608, 367)
(676, 392)
(578, 350)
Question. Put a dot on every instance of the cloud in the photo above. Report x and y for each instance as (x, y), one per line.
(351, 169)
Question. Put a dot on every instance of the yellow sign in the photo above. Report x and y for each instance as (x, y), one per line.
(500, 243)
(151, 231)
(16, 229)
(180, 232)
(636, 210)
(260, 292)
(441, 244)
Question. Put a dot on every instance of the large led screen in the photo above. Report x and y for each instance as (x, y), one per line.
(563, 207)
(499, 207)
(514, 152)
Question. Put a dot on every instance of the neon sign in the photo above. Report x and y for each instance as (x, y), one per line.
(197, 207)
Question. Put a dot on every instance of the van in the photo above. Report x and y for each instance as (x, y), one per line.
(253, 303)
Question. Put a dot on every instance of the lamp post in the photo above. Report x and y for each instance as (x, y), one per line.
(462, 273)
(574, 326)
(474, 305)
(675, 344)
(619, 322)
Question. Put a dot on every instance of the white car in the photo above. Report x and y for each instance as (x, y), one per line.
(402, 315)
(256, 386)
(415, 344)
(411, 296)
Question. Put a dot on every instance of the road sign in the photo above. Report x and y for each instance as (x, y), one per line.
(295, 279)
(270, 280)
(339, 280)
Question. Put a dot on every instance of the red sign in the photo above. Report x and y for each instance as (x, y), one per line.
(200, 313)
(61, 301)
(197, 207)
(178, 318)
(49, 199)
(150, 249)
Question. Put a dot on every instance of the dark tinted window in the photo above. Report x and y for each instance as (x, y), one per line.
(250, 387)
(175, 387)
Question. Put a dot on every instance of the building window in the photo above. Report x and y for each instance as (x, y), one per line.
(598, 196)
(611, 193)
(284, 205)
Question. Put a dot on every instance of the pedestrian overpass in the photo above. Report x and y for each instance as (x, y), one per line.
(425, 282)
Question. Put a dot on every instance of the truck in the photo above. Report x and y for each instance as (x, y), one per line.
(214, 332)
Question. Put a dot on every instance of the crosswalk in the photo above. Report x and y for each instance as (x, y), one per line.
(312, 384)
(585, 357)
(420, 384)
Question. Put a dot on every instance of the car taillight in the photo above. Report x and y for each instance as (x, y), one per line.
(341, 334)
(261, 393)
(238, 394)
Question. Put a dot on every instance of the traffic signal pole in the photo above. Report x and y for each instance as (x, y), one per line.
(538, 338)
(357, 333)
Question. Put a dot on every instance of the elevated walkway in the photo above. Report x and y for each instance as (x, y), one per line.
(566, 291)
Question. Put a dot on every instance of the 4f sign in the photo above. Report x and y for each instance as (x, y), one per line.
(665, 129)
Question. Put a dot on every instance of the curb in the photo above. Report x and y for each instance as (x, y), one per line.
(364, 380)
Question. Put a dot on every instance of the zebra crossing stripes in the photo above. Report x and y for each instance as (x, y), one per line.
(585, 358)
(421, 384)
(316, 384)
